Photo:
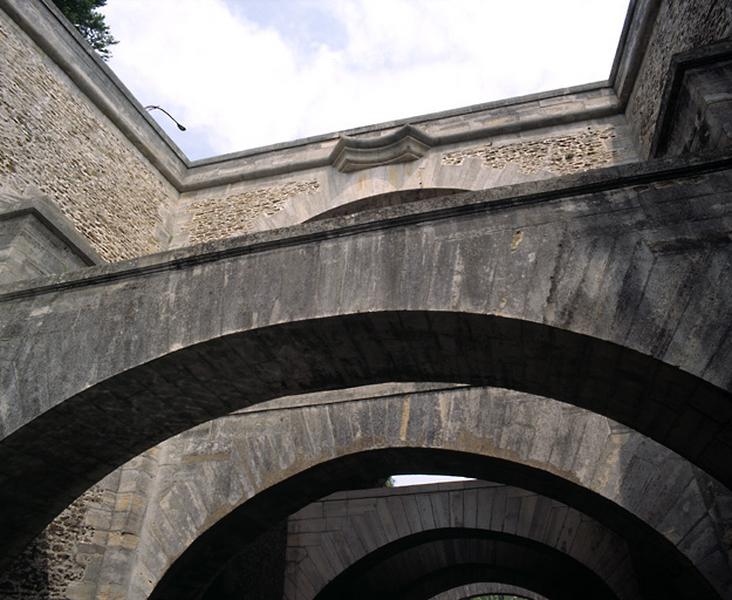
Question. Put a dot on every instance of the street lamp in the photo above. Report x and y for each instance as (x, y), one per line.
(153, 107)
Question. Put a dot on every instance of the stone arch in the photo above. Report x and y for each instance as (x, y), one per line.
(338, 189)
(475, 591)
(605, 470)
(347, 543)
(164, 396)
(451, 167)
(173, 340)
(384, 200)
(420, 565)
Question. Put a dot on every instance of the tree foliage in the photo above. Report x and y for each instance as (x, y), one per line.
(85, 16)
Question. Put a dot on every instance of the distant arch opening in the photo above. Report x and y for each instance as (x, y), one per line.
(420, 566)
(658, 561)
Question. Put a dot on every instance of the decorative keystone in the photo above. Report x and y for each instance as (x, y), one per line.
(403, 145)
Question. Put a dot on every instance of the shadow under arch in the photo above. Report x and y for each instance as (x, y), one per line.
(661, 569)
(62, 451)
(422, 565)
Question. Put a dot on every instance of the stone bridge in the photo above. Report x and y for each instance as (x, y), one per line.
(590, 290)
(225, 472)
(534, 293)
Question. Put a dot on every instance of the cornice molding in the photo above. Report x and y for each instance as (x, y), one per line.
(406, 144)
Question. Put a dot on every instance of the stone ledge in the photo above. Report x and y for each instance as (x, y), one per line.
(37, 239)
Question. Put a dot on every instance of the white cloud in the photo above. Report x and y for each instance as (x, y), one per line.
(238, 82)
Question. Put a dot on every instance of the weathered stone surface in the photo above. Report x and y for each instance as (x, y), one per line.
(419, 566)
(58, 557)
(696, 112)
(218, 215)
(508, 158)
(679, 25)
(635, 343)
(607, 291)
(528, 441)
(37, 240)
(589, 148)
(53, 137)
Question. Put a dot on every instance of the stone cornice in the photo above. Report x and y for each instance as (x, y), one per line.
(403, 145)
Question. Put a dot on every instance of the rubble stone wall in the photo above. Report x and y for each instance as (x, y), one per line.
(52, 137)
(560, 155)
(55, 559)
(218, 215)
(680, 25)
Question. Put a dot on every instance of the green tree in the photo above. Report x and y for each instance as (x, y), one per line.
(89, 21)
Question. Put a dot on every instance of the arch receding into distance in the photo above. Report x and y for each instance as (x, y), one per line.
(343, 441)
(210, 369)
(419, 566)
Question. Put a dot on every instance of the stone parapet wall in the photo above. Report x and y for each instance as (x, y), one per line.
(219, 215)
(53, 137)
(70, 140)
(679, 26)
(506, 159)
(56, 558)
(589, 148)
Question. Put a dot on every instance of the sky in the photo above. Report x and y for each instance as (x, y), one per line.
(240, 74)
(405, 480)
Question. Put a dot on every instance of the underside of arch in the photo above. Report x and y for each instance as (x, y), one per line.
(52, 459)
(420, 566)
(660, 568)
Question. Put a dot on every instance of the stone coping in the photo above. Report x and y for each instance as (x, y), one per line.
(38, 206)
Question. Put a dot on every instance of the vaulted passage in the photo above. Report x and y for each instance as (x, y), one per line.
(61, 452)
(419, 567)
(490, 288)
(216, 421)
(479, 591)
(471, 415)
(445, 535)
